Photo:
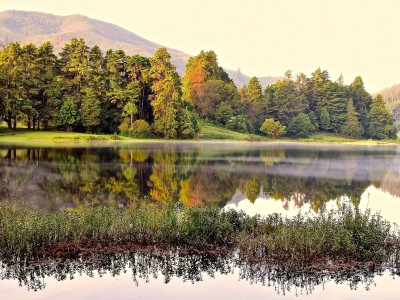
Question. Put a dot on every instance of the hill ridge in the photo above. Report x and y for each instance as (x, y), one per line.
(38, 27)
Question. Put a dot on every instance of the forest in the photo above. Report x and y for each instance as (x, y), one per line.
(85, 90)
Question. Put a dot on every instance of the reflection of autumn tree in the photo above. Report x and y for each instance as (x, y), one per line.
(208, 186)
(133, 155)
(164, 177)
(122, 186)
(253, 189)
(391, 182)
(187, 194)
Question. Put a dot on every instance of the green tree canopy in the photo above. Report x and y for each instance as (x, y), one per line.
(352, 128)
(380, 120)
(300, 126)
(68, 115)
(325, 120)
(254, 91)
(167, 90)
(90, 110)
(273, 128)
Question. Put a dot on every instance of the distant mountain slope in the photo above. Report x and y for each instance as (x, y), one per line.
(37, 27)
(391, 96)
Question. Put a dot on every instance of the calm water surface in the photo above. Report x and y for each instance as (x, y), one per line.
(256, 177)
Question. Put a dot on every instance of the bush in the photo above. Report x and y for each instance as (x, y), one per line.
(273, 128)
(188, 123)
(140, 127)
(238, 123)
(124, 126)
(300, 126)
(223, 113)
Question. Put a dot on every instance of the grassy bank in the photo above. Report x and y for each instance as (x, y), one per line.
(346, 235)
(212, 132)
(59, 138)
(209, 132)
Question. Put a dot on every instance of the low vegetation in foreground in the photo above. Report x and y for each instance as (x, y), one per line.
(343, 237)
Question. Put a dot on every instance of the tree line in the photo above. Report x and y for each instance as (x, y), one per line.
(83, 89)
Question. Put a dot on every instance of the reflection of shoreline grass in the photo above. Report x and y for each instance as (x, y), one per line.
(209, 132)
(346, 236)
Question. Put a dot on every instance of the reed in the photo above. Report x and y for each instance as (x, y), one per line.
(345, 235)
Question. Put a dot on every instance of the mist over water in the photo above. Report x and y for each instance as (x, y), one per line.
(259, 178)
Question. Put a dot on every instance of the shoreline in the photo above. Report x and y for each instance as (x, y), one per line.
(73, 139)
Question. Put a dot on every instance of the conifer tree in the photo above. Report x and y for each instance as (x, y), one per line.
(380, 120)
(352, 128)
(325, 120)
(68, 115)
(90, 110)
(166, 88)
(362, 100)
(254, 91)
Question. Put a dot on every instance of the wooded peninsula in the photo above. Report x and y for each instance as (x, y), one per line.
(84, 90)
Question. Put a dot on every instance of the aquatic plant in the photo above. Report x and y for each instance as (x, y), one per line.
(343, 237)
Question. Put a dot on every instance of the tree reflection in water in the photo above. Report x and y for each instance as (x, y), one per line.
(189, 267)
(58, 178)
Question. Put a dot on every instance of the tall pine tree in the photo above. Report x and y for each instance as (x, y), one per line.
(167, 90)
(380, 120)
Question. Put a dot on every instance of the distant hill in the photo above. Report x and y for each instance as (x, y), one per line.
(37, 27)
(391, 96)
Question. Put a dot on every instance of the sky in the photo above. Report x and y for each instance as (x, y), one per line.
(261, 37)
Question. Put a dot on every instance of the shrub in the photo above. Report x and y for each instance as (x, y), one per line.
(300, 126)
(273, 128)
(140, 127)
(124, 126)
(238, 123)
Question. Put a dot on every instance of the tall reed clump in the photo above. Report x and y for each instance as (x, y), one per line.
(343, 235)
(24, 231)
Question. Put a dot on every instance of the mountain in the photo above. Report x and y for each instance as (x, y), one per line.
(391, 96)
(37, 27)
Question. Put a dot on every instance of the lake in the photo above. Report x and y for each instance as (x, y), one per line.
(259, 178)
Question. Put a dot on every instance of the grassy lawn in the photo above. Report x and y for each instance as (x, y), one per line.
(325, 137)
(49, 138)
(213, 132)
(209, 132)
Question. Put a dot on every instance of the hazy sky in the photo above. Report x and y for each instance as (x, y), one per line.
(261, 37)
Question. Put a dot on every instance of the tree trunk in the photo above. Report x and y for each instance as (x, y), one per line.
(29, 124)
(34, 122)
(15, 122)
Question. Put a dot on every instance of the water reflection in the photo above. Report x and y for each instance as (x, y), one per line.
(224, 174)
(144, 266)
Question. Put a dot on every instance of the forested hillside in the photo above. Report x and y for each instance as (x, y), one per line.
(83, 90)
(391, 96)
(37, 28)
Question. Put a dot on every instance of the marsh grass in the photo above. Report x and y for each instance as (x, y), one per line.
(346, 235)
